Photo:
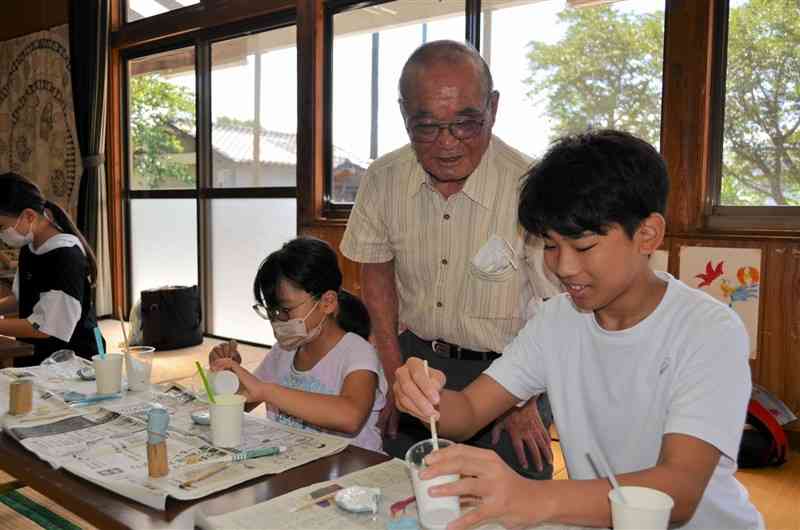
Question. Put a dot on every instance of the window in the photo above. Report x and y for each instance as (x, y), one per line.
(560, 66)
(210, 215)
(139, 9)
(161, 107)
(163, 239)
(563, 69)
(370, 46)
(254, 110)
(162, 163)
(761, 131)
(254, 147)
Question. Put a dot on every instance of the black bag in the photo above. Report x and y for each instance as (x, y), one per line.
(171, 317)
(763, 442)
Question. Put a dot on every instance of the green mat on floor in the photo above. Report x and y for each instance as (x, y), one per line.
(36, 512)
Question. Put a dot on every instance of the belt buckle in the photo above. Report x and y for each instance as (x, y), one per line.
(440, 347)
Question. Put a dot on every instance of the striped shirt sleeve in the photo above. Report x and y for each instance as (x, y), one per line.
(366, 239)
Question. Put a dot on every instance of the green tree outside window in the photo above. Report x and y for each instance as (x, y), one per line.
(606, 72)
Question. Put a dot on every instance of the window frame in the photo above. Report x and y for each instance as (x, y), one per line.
(203, 192)
(757, 220)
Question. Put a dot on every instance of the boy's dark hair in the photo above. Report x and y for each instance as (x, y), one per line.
(310, 264)
(18, 193)
(589, 181)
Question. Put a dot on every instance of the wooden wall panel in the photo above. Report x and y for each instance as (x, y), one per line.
(20, 17)
(350, 269)
(779, 367)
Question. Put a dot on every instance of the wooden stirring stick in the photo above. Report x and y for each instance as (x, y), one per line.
(191, 482)
(124, 333)
(433, 419)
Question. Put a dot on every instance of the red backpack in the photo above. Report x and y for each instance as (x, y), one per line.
(765, 443)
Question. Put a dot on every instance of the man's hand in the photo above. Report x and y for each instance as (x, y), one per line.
(416, 389)
(525, 427)
(389, 417)
(501, 494)
(225, 350)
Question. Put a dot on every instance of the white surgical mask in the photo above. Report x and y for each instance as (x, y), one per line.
(11, 237)
(292, 334)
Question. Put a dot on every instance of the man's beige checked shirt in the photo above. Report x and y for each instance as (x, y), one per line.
(399, 216)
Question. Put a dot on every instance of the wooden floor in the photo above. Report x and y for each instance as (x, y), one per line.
(774, 491)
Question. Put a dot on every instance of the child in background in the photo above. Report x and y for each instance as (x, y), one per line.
(322, 374)
(52, 292)
(638, 366)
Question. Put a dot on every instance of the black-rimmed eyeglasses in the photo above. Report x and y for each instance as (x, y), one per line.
(429, 132)
(277, 313)
(463, 129)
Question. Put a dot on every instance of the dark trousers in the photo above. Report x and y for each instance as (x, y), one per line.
(460, 373)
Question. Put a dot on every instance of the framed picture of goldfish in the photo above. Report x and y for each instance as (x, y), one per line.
(732, 276)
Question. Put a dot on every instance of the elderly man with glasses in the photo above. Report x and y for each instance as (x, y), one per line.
(435, 230)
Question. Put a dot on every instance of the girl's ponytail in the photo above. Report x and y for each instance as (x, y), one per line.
(353, 315)
(64, 222)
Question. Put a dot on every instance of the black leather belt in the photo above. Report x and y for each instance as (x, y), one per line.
(454, 351)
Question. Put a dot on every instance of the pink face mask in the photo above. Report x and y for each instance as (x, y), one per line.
(292, 334)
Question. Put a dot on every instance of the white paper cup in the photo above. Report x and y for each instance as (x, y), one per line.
(108, 372)
(434, 512)
(644, 509)
(139, 367)
(226, 420)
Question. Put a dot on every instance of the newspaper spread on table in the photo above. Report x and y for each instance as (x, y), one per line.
(106, 442)
(276, 514)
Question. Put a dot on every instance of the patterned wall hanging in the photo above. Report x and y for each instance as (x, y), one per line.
(37, 120)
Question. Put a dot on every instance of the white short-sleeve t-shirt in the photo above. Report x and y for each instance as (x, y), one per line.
(683, 369)
(351, 353)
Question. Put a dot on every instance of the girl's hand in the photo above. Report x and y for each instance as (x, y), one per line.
(416, 391)
(225, 350)
(501, 494)
(251, 387)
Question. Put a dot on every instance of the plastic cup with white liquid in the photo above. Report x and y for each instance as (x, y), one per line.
(434, 512)
(108, 371)
(641, 509)
(139, 367)
(226, 420)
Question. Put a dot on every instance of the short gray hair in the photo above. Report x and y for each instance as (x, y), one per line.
(444, 51)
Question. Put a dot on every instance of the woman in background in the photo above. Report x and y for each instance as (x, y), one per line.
(51, 293)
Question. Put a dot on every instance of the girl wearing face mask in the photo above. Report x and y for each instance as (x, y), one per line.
(322, 374)
(52, 288)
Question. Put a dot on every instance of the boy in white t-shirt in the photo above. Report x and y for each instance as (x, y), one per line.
(637, 365)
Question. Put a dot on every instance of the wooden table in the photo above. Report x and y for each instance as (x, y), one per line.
(109, 511)
(11, 349)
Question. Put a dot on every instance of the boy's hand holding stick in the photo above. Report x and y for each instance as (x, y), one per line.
(417, 388)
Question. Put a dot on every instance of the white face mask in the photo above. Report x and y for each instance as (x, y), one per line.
(293, 333)
(14, 239)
